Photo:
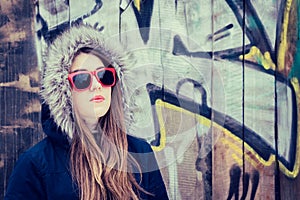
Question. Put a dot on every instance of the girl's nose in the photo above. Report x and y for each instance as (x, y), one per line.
(95, 84)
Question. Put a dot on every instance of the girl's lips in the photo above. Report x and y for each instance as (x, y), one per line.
(97, 98)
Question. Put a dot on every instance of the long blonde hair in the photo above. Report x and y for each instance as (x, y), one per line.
(99, 162)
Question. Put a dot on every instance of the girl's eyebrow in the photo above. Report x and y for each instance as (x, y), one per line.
(78, 70)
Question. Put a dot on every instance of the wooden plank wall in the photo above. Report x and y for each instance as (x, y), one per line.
(19, 84)
(217, 92)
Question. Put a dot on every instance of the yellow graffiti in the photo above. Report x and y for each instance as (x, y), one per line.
(239, 151)
(137, 4)
(159, 104)
(162, 143)
(256, 56)
(283, 37)
(237, 159)
(239, 141)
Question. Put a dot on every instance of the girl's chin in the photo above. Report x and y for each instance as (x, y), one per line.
(100, 113)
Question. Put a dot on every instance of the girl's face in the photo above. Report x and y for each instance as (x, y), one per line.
(93, 102)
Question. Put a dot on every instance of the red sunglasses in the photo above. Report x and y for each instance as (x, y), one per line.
(82, 80)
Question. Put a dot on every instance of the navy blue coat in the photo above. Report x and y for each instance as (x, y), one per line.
(42, 172)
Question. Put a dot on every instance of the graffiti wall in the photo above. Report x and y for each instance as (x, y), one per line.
(214, 87)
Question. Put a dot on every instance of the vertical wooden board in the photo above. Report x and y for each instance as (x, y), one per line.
(287, 98)
(258, 102)
(19, 102)
(227, 160)
(191, 63)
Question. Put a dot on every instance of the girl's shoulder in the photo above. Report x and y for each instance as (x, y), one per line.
(42, 156)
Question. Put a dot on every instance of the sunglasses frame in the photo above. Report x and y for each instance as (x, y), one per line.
(91, 73)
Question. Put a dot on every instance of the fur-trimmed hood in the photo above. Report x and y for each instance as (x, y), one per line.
(55, 87)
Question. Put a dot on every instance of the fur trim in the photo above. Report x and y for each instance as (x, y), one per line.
(55, 87)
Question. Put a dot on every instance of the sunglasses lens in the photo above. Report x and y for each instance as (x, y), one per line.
(82, 80)
(106, 77)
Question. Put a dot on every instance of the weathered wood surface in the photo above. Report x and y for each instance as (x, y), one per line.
(232, 130)
(19, 102)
